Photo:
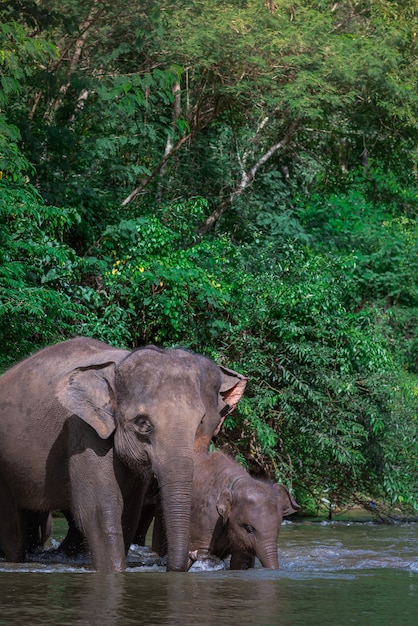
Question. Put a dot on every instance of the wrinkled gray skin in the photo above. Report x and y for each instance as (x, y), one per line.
(233, 513)
(83, 426)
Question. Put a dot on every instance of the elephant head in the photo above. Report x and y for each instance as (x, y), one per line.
(154, 402)
(252, 511)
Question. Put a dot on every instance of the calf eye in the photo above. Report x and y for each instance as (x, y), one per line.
(250, 529)
(143, 425)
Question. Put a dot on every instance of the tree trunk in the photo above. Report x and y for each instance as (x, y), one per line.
(176, 89)
(74, 61)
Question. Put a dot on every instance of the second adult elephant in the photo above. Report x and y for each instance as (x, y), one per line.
(84, 425)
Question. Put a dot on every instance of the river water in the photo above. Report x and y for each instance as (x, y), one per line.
(337, 574)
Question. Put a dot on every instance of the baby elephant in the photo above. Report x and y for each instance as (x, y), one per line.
(233, 513)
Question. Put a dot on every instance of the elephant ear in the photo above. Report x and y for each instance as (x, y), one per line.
(230, 393)
(224, 504)
(287, 504)
(88, 393)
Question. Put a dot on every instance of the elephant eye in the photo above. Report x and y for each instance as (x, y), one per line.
(250, 529)
(143, 425)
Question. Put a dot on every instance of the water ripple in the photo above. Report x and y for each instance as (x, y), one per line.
(302, 547)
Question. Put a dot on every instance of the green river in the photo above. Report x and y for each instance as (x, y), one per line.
(335, 573)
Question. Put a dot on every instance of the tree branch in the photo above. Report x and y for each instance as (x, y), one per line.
(201, 122)
(176, 89)
(247, 177)
(155, 170)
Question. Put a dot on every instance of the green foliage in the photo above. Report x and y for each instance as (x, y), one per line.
(396, 428)
(19, 56)
(167, 288)
(373, 218)
(385, 240)
(308, 283)
(36, 273)
(13, 164)
(310, 360)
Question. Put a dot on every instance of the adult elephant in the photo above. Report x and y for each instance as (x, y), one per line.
(84, 426)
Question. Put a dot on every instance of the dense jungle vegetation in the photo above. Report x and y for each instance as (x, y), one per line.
(238, 177)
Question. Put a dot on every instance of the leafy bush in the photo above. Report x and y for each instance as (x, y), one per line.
(37, 273)
(319, 411)
(371, 219)
(315, 371)
(169, 291)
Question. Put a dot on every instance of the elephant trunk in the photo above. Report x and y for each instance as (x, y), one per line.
(268, 556)
(175, 481)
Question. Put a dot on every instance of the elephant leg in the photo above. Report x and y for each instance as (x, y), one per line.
(103, 531)
(12, 528)
(97, 508)
(46, 528)
(145, 521)
(139, 505)
(159, 535)
(74, 543)
(131, 520)
(148, 511)
(38, 529)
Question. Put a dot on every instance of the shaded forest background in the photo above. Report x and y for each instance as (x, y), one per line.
(236, 177)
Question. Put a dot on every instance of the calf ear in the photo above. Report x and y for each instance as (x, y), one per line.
(287, 503)
(223, 505)
(230, 393)
(88, 393)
